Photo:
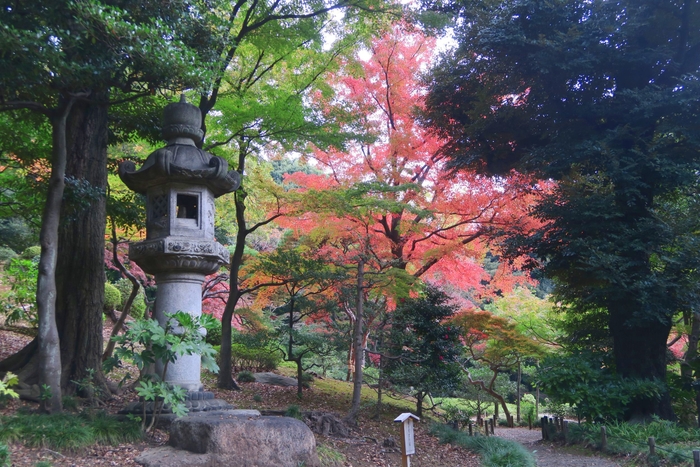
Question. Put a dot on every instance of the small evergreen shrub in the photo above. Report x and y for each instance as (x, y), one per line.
(293, 411)
(112, 297)
(252, 359)
(257, 398)
(32, 253)
(6, 254)
(246, 376)
(138, 307)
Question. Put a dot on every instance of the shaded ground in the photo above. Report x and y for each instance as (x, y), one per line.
(365, 447)
(553, 455)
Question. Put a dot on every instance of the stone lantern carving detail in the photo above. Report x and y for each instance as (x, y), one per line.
(180, 182)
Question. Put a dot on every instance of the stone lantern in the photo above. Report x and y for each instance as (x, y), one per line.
(180, 182)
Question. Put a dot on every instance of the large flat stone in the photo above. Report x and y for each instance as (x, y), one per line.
(237, 439)
(275, 379)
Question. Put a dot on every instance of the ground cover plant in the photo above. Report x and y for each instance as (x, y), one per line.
(674, 444)
(494, 451)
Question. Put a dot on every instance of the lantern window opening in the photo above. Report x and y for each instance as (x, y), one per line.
(187, 206)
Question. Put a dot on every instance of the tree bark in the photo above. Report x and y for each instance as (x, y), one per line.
(351, 417)
(49, 350)
(639, 347)
(81, 278)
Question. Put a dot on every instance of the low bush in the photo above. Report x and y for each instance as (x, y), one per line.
(112, 297)
(32, 253)
(19, 303)
(245, 376)
(6, 254)
(5, 460)
(67, 432)
(674, 443)
(138, 307)
(494, 451)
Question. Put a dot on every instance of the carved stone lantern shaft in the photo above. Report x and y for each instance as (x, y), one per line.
(180, 182)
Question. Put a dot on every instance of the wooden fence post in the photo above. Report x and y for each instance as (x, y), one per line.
(603, 439)
(492, 424)
(471, 430)
(652, 446)
(543, 425)
(696, 458)
(565, 430)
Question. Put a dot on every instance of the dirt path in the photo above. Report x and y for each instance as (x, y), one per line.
(551, 455)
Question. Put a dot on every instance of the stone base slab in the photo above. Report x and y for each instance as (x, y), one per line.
(235, 438)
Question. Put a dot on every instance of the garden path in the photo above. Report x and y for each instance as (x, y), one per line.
(552, 455)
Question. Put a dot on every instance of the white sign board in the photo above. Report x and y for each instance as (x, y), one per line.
(410, 446)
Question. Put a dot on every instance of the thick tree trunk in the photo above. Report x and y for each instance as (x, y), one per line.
(640, 349)
(80, 279)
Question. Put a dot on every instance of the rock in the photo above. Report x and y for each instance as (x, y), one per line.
(277, 380)
(326, 424)
(235, 438)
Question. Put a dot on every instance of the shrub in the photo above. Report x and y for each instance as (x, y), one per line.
(138, 307)
(213, 336)
(494, 451)
(112, 297)
(246, 376)
(293, 411)
(6, 254)
(585, 381)
(63, 432)
(31, 253)
(257, 398)
(254, 352)
(19, 304)
(5, 460)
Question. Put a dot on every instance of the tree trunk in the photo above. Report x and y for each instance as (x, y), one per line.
(49, 350)
(520, 377)
(351, 418)
(226, 380)
(80, 280)
(640, 349)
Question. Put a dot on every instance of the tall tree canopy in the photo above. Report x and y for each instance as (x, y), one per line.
(602, 97)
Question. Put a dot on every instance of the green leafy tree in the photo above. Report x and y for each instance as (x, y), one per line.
(69, 61)
(494, 342)
(298, 277)
(601, 97)
(423, 347)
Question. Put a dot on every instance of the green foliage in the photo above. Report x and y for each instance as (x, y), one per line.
(9, 380)
(428, 348)
(257, 398)
(32, 252)
(616, 131)
(586, 381)
(138, 307)
(294, 411)
(674, 444)
(66, 432)
(19, 304)
(6, 254)
(147, 342)
(113, 297)
(254, 351)
(494, 451)
(245, 376)
(43, 464)
(5, 459)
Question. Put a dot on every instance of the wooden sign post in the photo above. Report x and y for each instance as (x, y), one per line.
(407, 442)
